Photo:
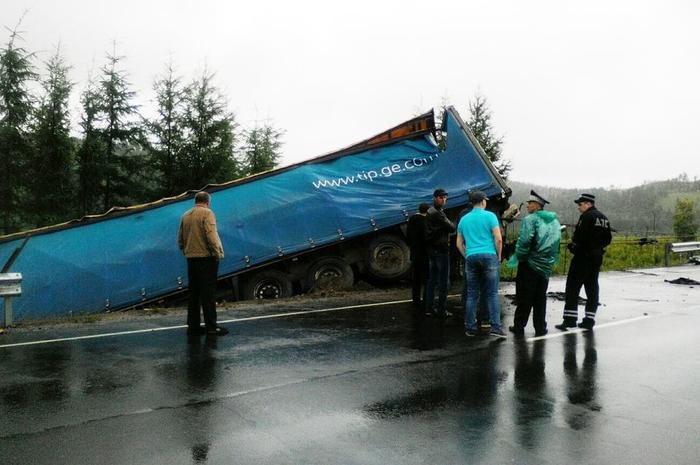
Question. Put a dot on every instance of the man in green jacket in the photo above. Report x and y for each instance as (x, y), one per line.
(536, 252)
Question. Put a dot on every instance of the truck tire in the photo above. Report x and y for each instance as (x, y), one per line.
(329, 273)
(388, 257)
(267, 284)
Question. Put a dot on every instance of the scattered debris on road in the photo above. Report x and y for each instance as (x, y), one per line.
(684, 281)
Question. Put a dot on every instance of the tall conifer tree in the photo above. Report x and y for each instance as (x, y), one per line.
(480, 124)
(16, 108)
(52, 177)
(208, 155)
(91, 153)
(167, 133)
(262, 149)
(120, 134)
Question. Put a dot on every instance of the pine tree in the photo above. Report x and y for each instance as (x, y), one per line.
(121, 136)
(91, 153)
(480, 124)
(16, 108)
(52, 178)
(262, 149)
(167, 133)
(208, 155)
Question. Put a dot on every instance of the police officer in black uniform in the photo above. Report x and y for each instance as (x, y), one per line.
(591, 237)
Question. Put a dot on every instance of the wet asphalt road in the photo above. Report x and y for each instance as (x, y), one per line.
(373, 385)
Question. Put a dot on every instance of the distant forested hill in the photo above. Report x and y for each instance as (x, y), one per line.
(645, 209)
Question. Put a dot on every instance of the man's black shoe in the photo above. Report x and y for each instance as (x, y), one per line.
(586, 325)
(197, 331)
(541, 333)
(445, 314)
(218, 331)
(515, 330)
(565, 326)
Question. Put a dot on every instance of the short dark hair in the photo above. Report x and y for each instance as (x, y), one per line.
(423, 208)
(202, 197)
(476, 197)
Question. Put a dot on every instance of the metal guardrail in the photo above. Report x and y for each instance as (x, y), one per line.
(679, 247)
(685, 246)
(10, 286)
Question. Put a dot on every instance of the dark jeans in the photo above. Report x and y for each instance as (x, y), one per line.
(438, 275)
(201, 273)
(583, 271)
(419, 278)
(531, 294)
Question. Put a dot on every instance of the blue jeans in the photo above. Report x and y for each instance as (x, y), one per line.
(438, 275)
(483, 276)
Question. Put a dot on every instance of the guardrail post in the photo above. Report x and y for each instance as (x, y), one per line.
(7, 322)
(10, 286)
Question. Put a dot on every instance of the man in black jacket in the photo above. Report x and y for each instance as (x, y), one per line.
(592, 235)
(439, 229)
(417, 235)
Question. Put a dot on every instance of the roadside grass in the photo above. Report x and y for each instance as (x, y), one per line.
(624, 253)
(86, 318)
(92, 318)
(75, 319)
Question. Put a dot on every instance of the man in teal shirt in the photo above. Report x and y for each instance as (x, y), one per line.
(536, 252)
(479, 240)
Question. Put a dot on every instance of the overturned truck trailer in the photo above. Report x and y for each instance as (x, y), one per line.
(322, 222)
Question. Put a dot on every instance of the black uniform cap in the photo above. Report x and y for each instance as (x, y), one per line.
(585, 198)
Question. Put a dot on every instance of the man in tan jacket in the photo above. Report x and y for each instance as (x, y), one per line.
(199, 241)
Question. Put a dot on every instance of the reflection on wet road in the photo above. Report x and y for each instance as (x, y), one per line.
(365, 386)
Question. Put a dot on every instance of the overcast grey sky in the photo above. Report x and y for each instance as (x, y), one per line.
(594, 93)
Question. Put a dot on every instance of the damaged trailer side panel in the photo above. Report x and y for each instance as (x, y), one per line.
(130, 256)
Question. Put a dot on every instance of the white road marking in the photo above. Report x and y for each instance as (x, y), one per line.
(580, 330)
(233, 320)
(284, 315)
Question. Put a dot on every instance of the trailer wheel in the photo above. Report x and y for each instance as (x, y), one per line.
(267, 284)
(329, 273)
(389, 257)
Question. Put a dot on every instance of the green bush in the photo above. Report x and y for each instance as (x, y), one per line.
(624, 253)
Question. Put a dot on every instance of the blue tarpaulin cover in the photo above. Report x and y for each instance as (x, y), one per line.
(124, 260)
